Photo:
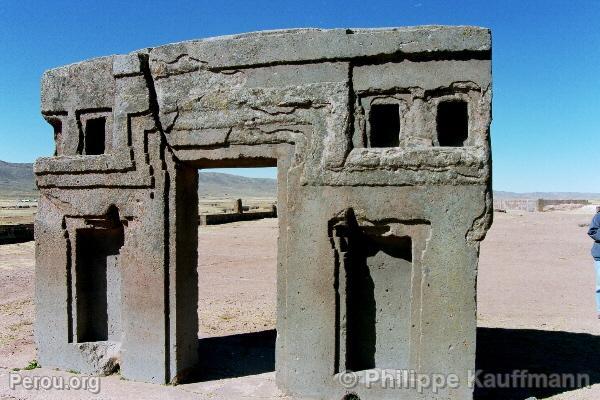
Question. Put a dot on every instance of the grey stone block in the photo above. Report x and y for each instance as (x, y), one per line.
(381, 141)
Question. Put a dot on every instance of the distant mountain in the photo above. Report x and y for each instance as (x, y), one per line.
(546, 195)
(215, 184)
(16, 180)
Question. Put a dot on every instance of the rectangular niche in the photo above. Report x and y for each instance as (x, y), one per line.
(384, 123)
(379, 120)
(95, 131)
(95, 136)
(452, 123)
(98, 284)
(378, 279)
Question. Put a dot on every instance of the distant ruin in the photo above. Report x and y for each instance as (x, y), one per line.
(16, 233)
(240, 213)
(382, 144)
(534, 205)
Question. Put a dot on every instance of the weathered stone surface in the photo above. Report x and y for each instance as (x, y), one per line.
(381, 140)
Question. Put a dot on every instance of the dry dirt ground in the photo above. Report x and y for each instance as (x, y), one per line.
(535, 293)
(241, 299)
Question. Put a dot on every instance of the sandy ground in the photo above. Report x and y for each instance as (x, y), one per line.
(16, 304)
(244, 298)
(536, 307)
(535, 294)
(535, 271)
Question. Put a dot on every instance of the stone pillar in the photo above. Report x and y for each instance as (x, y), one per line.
(238, 207)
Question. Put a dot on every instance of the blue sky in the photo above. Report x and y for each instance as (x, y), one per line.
(546, 60)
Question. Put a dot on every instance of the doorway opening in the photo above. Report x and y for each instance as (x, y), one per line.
(237, 271)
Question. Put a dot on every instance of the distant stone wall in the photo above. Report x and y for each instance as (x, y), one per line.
(16, 233)
(547, 202)
(529, 205)
(216, 219)
(532, 205)
(240, 213)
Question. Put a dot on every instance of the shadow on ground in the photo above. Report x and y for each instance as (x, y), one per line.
(499, 352)
(235, 356)
(502, 351)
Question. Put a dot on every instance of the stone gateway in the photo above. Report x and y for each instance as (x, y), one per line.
(381, 142)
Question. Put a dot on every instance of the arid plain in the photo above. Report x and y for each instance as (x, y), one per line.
(535, 299)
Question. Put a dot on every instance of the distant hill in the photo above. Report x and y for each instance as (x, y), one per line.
(16, 180)
(546, 195)
(215, 184)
